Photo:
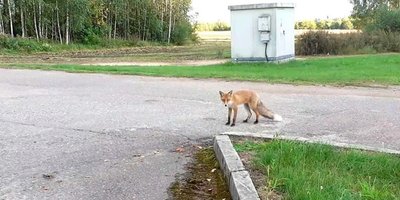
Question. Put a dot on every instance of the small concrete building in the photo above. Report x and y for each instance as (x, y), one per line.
(262, 32)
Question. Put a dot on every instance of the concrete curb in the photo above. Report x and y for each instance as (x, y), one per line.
(240, 184)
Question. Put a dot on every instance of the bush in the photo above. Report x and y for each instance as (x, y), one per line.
(183, 34)
(323, 43)
(23, 45)
(385, 20)
(221, 26)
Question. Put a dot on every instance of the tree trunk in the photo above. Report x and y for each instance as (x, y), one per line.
(11, 21)
(1, 24)
(170, 21)
(115, 23)
(34, 22)
(40, 29)
(110, 25)
(58, 24)
(1, 18)
(144, 25)
(67, 27)
(22, 20)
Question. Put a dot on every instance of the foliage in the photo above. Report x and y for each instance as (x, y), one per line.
(365, 11)
(386, 20)
(90, 21)
(23, 45)
(321, 24)
(325, 43)
(216, 26)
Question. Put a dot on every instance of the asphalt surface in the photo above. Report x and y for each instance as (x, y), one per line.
(94, 136)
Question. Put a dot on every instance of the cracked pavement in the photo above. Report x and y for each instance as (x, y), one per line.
(95, 136)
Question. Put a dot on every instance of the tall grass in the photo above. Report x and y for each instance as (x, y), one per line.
(315, 171)
(322, 42)
(30, 45)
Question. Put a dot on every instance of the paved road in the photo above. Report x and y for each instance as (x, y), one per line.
(93, 136)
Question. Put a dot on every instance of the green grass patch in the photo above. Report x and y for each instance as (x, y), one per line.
(22, 46)
(316, 171)
(383, 69)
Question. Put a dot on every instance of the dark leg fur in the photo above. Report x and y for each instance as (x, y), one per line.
(247, 107)
(229, 116)
(235, 111)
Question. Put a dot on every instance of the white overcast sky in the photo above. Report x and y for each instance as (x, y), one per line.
(217, 10)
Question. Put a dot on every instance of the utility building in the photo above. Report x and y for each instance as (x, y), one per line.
(262, 32)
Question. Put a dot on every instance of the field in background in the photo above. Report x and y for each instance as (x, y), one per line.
(213, 47)
(226, 35)
(215, 36)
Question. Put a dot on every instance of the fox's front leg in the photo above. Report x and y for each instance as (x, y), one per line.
(229, 116)
(235, 109)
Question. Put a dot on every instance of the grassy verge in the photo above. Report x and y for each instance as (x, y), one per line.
(383, 69)
(315, 171)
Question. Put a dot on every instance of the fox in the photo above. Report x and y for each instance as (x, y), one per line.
(251, 100)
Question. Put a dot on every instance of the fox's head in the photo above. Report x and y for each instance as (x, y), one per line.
(226, 97)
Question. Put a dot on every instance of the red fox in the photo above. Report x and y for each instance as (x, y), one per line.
(251, 100)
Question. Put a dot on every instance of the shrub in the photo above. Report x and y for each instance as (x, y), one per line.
(323, 43)
(385, 20)
(183, 34)
(23, 44)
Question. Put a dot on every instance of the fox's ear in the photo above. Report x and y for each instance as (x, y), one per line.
(230, 93)
(221, 93)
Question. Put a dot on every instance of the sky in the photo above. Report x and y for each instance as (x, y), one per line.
(217, 10)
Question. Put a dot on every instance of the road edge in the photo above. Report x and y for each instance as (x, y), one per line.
(238, 178)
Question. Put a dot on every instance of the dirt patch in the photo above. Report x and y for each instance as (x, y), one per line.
(203, 180)
(178, 63)
(206, 53)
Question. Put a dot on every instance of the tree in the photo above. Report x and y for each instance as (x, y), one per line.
(386, 20)
(365, 11)
(90, 21)
(346, 24)
(1, 17)
(10, 19)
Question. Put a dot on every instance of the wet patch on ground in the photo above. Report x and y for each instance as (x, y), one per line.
(203, 179)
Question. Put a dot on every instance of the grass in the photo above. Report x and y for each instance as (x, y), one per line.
(315, 171)
(21, 46)
(381, 69)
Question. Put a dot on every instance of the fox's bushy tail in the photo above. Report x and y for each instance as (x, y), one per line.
(265, 112)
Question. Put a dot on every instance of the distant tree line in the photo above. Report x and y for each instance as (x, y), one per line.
(323, 24)
(215, 26)
(379, 22)
(89, 21)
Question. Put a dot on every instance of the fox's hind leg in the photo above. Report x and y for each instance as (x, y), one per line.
(253, 106)
(247, 107)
